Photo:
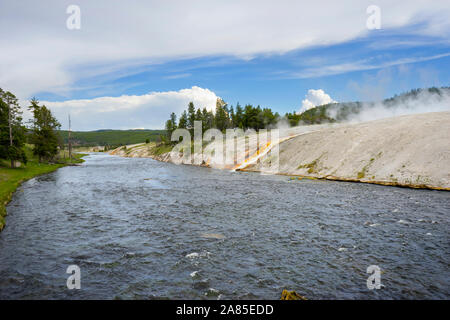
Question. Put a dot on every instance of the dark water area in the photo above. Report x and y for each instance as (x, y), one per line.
(142, 229)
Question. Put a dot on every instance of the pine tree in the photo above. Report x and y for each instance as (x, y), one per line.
(221, 118)
(208, 119)
(171, 125)
(173, 118)
(191, 118)
(183, 121)
(44, 128)
(199, 115)
(232, 118)
(239, 117)
(12, 132)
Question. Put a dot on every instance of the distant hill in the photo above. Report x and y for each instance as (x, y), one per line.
(416, 99)
(110, 137)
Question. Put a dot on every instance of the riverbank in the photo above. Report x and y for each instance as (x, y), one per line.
(11, 179)
(408, 151)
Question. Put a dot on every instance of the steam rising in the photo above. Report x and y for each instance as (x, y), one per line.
(414, 102)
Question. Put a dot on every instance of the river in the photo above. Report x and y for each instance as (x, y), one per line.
(143, 229)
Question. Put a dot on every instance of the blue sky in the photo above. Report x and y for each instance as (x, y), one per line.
(392, 64)
(247, 57)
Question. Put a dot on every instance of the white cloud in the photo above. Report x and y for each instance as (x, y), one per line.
(178, 76)
(40, 54)
(315, 98)
(327, 70)
(145, 111)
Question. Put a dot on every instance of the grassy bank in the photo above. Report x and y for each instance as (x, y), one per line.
(143, 150)
(160, 149)
(10, 179)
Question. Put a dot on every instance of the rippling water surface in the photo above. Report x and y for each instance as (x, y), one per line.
(143, 229)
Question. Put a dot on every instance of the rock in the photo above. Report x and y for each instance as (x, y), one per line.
(291, 295)
(212, 236)
(212, 292)
(202, 284)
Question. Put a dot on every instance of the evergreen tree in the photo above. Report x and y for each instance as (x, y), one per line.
(250, 118)
(199, 115)
(173, 118)
(171, 125)
(183, 121)
(208, 119)
(44, 128)
(259, 118)
(268, 117)
(239, 116)
(221, 117)
(232, 118)
(169, 130)
(293, 118)
(191, 118)
(12, 132)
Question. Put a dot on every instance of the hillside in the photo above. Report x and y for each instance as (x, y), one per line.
(110, 137)
(410, 150)
(405, 103)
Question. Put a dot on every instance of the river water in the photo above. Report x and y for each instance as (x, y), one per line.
(142, 229)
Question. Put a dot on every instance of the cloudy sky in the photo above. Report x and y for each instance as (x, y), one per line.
(132, 63)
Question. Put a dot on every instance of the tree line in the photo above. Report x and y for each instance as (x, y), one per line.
(257, 118)
(247, 117)
(40, 131)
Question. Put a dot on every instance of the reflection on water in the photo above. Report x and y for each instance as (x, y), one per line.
(143, 229)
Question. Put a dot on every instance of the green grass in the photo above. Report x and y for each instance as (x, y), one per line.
(161, 149)
(311, 166)
(110, 137)
(10, 179)
(363, 172)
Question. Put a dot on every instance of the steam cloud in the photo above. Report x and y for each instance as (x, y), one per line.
(425, 101)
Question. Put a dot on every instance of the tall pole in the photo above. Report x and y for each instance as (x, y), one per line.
(69, 142)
